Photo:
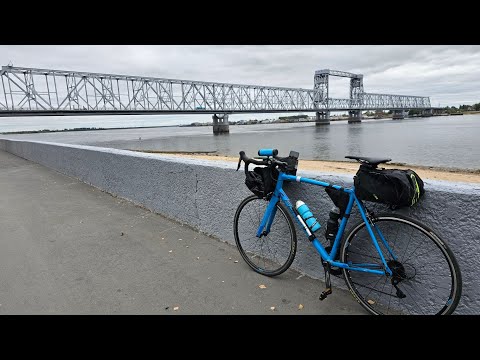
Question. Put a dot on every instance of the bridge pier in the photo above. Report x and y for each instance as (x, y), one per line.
(220, 124)
(399, 114)
(354, 116)
(427, 113)
(323, 118)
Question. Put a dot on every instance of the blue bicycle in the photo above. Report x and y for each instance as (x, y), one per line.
(392, 264)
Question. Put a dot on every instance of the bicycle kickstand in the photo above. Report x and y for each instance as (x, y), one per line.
(328, 284)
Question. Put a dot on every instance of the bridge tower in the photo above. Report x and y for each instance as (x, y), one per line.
(356, 98)
(321, 99)
(320, 88)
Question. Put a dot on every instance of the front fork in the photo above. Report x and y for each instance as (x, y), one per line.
(268, 216)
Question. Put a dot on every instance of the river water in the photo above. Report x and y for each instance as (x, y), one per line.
(442, 141)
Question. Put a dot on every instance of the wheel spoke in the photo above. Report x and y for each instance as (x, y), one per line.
(413, 298)
(379, 278)
(389, 299)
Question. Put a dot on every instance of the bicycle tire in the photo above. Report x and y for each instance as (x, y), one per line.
(251, 248)
(419, 292)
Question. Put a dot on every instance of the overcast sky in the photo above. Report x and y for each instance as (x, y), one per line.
(448, 74)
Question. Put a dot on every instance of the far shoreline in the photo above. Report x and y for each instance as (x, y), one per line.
(48, 131)
(344, 167)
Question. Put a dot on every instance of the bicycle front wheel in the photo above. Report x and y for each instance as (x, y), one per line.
(270, 254)
(426, 278)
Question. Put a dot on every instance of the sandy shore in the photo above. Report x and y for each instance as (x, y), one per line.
(347, 167)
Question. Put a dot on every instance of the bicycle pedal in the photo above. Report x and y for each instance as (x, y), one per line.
(325, 293)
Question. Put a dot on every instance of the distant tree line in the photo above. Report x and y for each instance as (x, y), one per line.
(450, 109)
(293, 117)
(453, 109)
(474, 107)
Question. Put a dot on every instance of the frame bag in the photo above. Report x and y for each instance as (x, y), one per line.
(339, 198)
(394, 187)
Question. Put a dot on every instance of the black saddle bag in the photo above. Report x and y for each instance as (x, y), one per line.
(394, 187)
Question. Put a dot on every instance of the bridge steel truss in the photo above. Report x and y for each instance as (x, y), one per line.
(29, 91)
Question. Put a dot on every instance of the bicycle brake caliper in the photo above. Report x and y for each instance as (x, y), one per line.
(370, 215)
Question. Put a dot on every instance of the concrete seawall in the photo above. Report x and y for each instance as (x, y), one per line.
(205, 194)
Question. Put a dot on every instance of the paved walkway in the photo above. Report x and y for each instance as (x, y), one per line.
(69, 248)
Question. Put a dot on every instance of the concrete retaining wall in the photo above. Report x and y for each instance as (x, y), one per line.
(205, 194)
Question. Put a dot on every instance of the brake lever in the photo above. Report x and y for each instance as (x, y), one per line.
(239, 162)
(280, 163)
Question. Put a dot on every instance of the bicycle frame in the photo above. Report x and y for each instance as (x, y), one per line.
(279, 194)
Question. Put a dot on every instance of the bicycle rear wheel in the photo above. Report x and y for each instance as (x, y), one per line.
(426, 277)
(270, 254)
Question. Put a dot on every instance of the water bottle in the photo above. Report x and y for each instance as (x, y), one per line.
(307, 215)
(332, 225)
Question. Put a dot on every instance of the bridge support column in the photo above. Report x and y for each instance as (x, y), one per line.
(354, 116)
(399, 114)
(378, 114)
(427, 113)
(220, 124)
(323, 118)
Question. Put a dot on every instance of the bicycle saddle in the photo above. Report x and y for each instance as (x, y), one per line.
(369, 160)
